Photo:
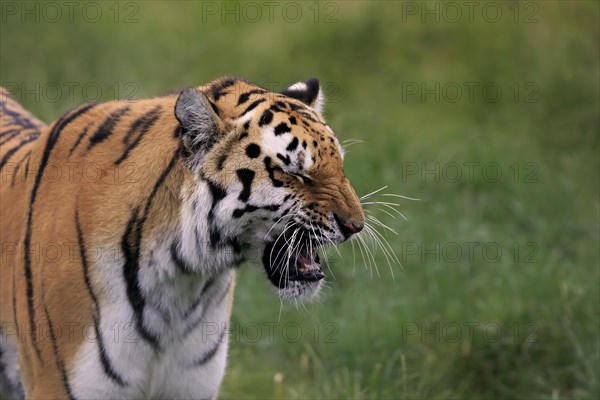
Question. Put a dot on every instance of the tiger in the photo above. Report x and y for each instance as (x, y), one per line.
(155, 204)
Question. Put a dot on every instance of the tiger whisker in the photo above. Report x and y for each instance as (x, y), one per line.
(379, 223)
(400, 196)
(353, 258)
(390, 206)
(290, 215)
(369, 255)
(324, 253)
(382, 210)
(291, 250)
(385, 247)
(288, 226)
(366, 196)
(351, 141)
(284, 263)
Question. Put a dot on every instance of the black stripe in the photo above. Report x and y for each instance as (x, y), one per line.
(21, 119)
(104, 359)
(217, 195)
(235, 245)
(285, 159)
(142, 125)
(9, 131)
(223, 294)
(246, 176)
(310, 117)
(266, 118)
(178, 132)
(207, 285)
(79, 139)
(271, 170)
(59, 363)
(12, 133)
(245, 96)
(52, 139)
(206, 357)
(131, 246)
(105, 130)
(211, 300)
(214, 236)
(226, 83)
(252, 106)
(238, 212)
(130, 243)
(179, 262)
(13, 150)
(221, 161)
(14, 300)
(218, 88)
(295, 107)
(18, 168)
(27, 168)
(282, 128)
(293, 144)
(214, 107)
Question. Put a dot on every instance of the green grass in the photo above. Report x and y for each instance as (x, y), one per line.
(370, 343)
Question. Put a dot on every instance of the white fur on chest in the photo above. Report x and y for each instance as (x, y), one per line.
(187, 314)
(179, 349)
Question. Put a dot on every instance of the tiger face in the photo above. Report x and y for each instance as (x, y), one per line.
(273, 171)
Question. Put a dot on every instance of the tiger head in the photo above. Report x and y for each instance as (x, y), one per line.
(273, 176)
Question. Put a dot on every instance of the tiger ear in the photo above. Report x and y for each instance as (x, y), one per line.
(201, 124)
(308, 92)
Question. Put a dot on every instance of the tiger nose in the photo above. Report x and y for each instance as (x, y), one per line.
(349, 227)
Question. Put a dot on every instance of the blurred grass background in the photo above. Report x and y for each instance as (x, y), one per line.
(379, 337)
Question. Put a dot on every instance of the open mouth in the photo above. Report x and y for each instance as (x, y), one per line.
(286, 260)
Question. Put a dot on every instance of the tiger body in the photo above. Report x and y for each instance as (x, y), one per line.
(157, 204)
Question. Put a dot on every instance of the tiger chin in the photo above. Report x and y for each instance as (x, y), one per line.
(190, 186)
